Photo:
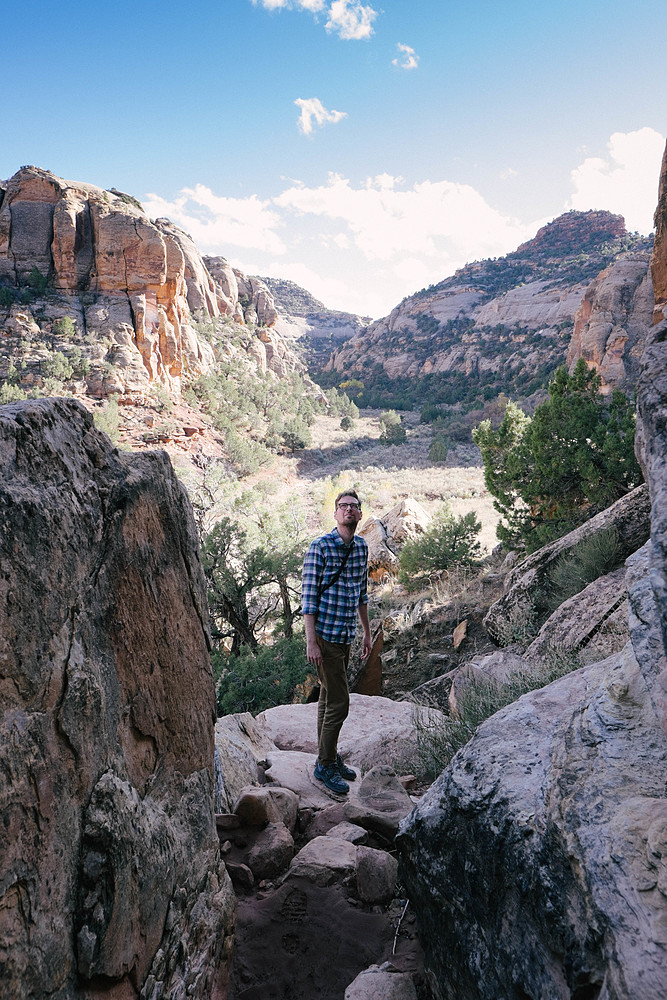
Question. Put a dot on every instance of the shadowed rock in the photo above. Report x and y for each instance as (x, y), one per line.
(110, 874)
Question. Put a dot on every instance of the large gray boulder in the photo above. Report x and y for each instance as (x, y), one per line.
(534, 861)
(111, 882)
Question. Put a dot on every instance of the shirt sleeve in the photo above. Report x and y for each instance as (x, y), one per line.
(313, 569)
(363, 594)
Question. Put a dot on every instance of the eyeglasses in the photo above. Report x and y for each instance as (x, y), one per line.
(350, 506)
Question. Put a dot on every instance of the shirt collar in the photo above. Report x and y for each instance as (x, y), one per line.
(339, 541)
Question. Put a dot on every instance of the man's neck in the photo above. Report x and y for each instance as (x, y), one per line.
(347, 534)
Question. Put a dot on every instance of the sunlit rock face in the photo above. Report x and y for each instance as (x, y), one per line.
(520, 310)
(136, 283)
(111, 883)
(537, 861)
(612, 323)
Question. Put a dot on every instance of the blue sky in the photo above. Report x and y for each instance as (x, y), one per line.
(362, 149)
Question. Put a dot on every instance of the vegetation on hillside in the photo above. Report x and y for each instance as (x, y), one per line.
(573, 458)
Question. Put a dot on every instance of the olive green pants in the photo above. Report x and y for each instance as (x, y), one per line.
(334, 702)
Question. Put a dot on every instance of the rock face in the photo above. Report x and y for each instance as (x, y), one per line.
(111, 882)
(300, 314)
(387, 534)
(492, 317)
(612, 323)
(537, 860)
(138, 286)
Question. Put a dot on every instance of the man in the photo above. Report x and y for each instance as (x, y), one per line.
(333, 593)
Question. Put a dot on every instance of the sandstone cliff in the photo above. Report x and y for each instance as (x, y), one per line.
(612, 322)
(537, 860)
(111, 883)
(508, 320)
(136, 290)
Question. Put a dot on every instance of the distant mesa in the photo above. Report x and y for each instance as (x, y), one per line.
(580, 288)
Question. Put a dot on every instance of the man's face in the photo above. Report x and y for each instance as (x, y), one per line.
(348, 512)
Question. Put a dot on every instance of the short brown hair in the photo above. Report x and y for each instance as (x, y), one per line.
(347, 493)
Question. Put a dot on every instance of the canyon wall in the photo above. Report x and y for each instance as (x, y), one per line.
(572, 291)
(111, 882)
(140, 288)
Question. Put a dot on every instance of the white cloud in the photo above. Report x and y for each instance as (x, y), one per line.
(315, 6)
(313, 109)
(351, 20)
(215, 223)
(508, 173)
(626, 181)
(408, 58)
(441, 221)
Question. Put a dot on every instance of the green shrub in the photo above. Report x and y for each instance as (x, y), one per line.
(430, 412)
(393, 431)
(57, 366)
(7, 296)
(11, 393)
(448, 541)
(37, 281)
(296, 434)
(108, 420)
(439, 449)
(80, 364)
(64, 327)
(346, 424)
(252, 682)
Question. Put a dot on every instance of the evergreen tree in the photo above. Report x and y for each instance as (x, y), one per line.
(573, 459)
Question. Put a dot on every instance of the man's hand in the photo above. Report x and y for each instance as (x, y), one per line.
(313, 652)
(366, 646)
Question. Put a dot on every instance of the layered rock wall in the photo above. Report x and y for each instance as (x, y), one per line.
(111, 883)
(134, 282)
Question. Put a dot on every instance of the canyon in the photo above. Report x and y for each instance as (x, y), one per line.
(144, 836)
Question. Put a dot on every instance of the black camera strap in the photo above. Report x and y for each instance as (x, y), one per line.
(336, 576)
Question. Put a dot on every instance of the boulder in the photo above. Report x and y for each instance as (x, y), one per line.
(554, 805)
(387, 534)
(110, 868)
(594, 622)
(240, 745)
(495, 669)
(324, 860)
(348, 831)
(271, 852)
(382, 802)
(629, 518)
(377, 731)
(259, 806)
(377, 872)
(382, 982)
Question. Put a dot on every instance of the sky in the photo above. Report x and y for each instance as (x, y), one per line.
(363, 150)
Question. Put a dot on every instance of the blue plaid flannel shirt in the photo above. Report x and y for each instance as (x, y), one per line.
(336, 609)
